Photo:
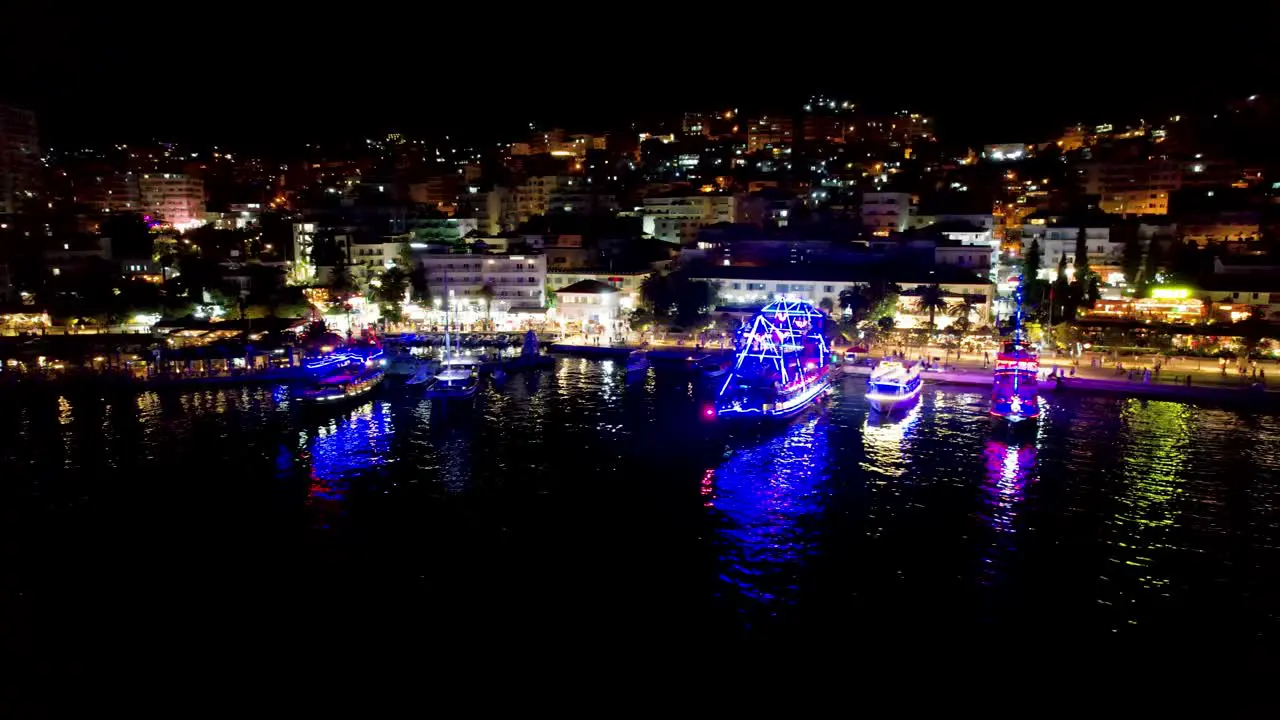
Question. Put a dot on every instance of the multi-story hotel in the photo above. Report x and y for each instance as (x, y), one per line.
(19, 159)
(174, 199)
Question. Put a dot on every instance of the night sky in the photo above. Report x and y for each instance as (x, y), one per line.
(275, 81)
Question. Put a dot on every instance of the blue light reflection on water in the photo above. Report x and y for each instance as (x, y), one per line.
(765, 497)
(342, 449)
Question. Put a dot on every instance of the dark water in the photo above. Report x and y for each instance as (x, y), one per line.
(573, 510)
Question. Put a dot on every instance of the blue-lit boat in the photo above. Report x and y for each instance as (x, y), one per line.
(344, 376)
(1014, 382)
(893, 384)
(781, 364)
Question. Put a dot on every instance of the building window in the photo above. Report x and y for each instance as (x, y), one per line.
(827, 288)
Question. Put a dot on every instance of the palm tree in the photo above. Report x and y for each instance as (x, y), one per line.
(850, 300)
(486, 292)
(963, 312)
(930, 300)
(340, 282)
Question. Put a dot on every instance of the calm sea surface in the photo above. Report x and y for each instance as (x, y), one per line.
(577, 509)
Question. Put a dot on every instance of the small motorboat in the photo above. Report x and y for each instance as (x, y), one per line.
(893, 384)
(422, 374)
(637, 364)
(711, 367)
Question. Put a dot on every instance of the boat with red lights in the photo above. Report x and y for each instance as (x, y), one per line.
(1014, 382)
(781, 364)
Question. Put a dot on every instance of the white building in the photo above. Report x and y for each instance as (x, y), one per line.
(590, 307)
(754, 287)
(1058, 241)
(19, 159)
(580, 200)
(970, 257)
(367, 259)
(886, 212)
(517, 280)
(172, 198)
(678, 219)
(628, 284)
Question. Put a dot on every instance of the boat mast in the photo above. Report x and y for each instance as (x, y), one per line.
(446, 315)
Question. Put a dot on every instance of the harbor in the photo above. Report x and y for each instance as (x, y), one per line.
(841, 521)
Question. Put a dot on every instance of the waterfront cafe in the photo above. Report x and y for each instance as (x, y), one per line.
(195, 332)
(1165, 305)
(26, 320)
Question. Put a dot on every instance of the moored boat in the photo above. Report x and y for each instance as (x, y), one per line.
(637, 364)
(458, 379)
(1014, 392)
(346, 384)
(893, 384)
(780, 366)
(709, 366)
(1014, 384)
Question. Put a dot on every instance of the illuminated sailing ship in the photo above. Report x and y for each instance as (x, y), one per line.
(781, 363)
(1014, 395)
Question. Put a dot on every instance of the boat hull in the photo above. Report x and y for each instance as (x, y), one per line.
(340, 395)
(772, 413)
(885, 403)
(452, 393)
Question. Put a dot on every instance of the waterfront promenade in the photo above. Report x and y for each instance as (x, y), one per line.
(1207, 382)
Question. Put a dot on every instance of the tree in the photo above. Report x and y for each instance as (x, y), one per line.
(1184, 261)
(418, 281)
(1062, 307)
(1082, 252)
(694, 299)
(1251, 330)
(1085, 288)
(1150, 268)
(130, 236)
(930, 299)
(849, 299)
(486, 293)
(869, 302)
(640, 319)
(1131, 260)
(1031, 261)
(393, 285)
(884, 297)
(340, 283)
(1035, 292)
(826, 305)
(963, 312)
(657, 295)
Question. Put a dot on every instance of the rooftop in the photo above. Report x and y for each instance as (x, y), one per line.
(906, 275)
(588, 287)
